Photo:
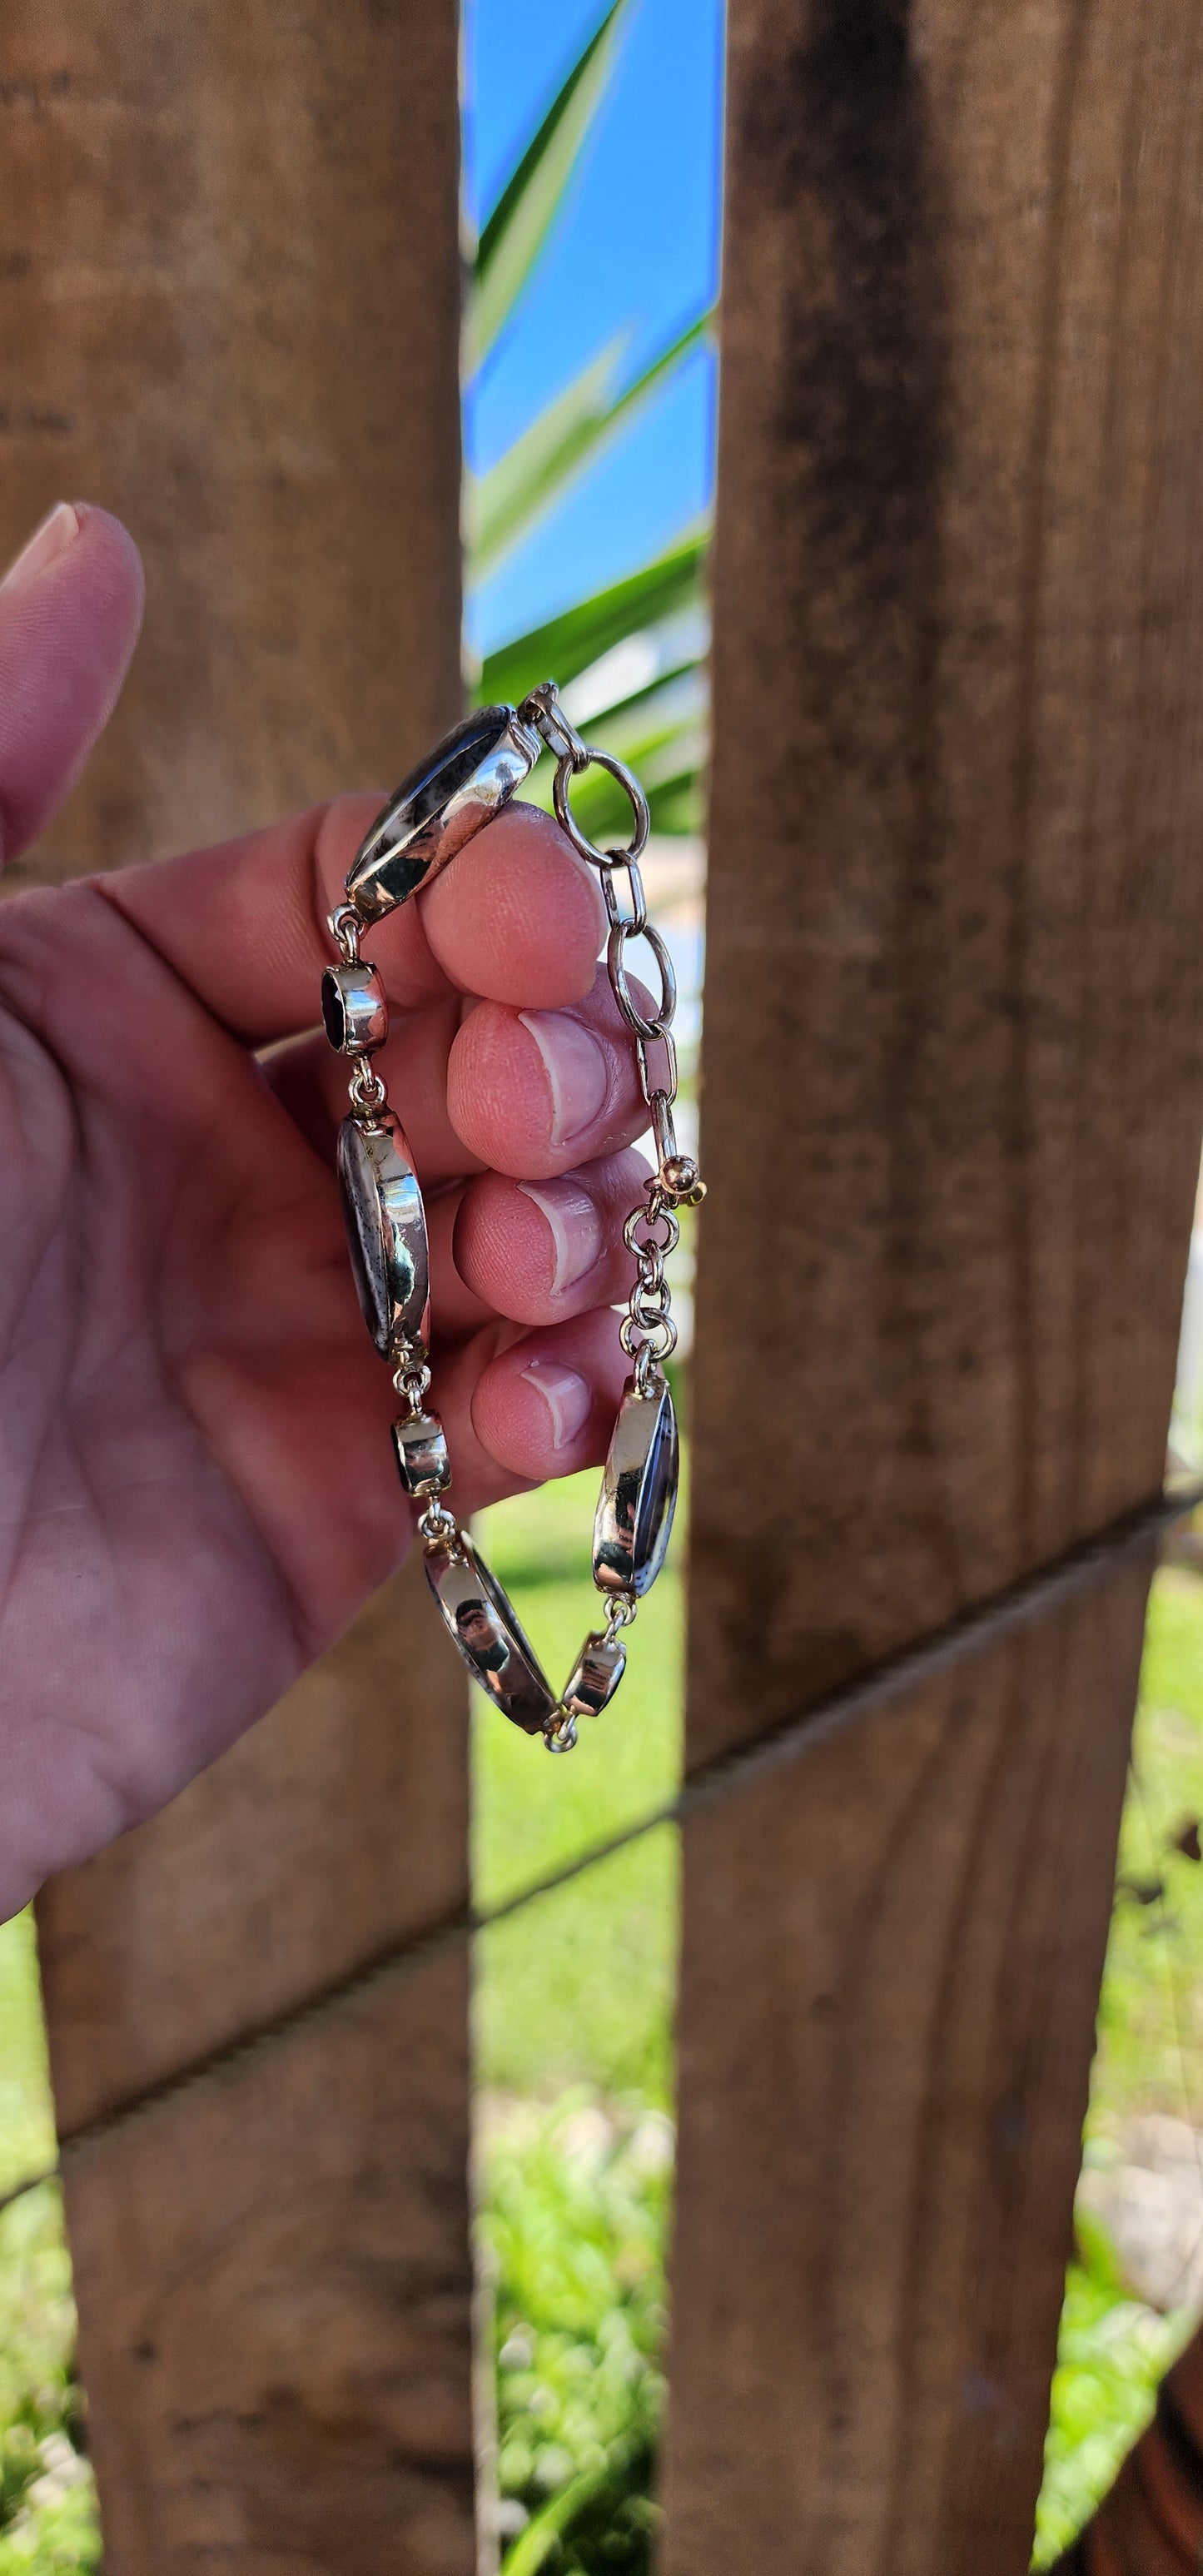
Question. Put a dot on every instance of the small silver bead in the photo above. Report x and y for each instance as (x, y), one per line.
(422, 1459)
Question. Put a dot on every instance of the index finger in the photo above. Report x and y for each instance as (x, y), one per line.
(515, 917)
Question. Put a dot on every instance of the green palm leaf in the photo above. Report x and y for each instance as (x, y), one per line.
(571, 643)
(526, 210)
(506, 503)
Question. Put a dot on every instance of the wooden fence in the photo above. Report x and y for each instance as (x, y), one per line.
(953, 1068)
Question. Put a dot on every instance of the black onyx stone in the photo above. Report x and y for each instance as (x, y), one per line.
(334, 1017)
(657, 1498)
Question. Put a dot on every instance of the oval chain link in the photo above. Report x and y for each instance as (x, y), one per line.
(647, 1333)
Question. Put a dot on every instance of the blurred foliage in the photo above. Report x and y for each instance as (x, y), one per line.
(1113, 2350)
(1111, 2354)
(574, 2231)
(1150, 2030)
(47, 2496)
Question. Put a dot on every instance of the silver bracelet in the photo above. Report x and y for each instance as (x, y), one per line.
(460, 787)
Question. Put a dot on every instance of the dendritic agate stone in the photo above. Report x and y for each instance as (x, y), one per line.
(459, 787)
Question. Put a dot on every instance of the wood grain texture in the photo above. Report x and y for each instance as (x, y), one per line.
(288, 2306)
(229, 283)
(229, 288)
(953, 1070)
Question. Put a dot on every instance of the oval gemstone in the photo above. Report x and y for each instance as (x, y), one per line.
(386, 1231)
(638, 1495)
(486, 1628)
(460, 785)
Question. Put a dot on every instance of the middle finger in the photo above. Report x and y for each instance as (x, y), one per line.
(529, 1093)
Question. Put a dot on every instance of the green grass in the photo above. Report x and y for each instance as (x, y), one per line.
(578, 1988)
(47, 2499)
(1112, 2349)
(573, 2237)
(1112, 2353)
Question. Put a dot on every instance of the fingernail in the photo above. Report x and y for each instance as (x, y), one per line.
(569, 1399)
(57, 531)
(576, 1070)
(573, 1224)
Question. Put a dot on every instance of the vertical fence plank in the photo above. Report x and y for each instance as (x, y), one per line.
(230, 276)
(952, 1109)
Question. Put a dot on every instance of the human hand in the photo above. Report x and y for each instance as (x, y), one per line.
(197, 1489)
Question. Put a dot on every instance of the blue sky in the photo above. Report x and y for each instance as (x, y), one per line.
(634, 259)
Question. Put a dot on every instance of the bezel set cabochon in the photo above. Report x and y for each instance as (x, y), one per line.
(452, 794)
(386, 1231)
(486, 1628)
(639, 1493)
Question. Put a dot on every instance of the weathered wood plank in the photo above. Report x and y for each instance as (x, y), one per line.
(952, 1111)
(230, 277)
(230, 281)
(282, 2354)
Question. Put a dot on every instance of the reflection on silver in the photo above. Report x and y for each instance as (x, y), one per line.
(421, 1446)
(460, 785)
(638, 1495)
(354, 1008)
(386, 1231)
(486, 1630)
(595, 1676)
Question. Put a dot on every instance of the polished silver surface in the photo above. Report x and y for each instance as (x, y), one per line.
(660, 1024)
(458, 788)
(567, 769)
(354, 1008)
(595, 1676)
(486, 1630)
(638, 1495)
(422, 1459)
(386, 1231)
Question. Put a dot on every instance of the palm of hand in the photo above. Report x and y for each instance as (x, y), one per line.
(189, 1418)
(196, 1485)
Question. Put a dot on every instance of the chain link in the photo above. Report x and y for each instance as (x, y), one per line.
(345, 927)
(412, 1382)
(647, 1332)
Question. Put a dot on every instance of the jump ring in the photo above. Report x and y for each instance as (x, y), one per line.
(651, 1242)
(568, 823)
(659, 1027)
(345, 927)
(367, 1092)
(636, 918)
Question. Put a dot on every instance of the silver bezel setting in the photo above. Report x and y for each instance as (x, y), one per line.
(469, 776)
(639, 1493)
(595, 1676)
(386, 1231)
(485, 1627)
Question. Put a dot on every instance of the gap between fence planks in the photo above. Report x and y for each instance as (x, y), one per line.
(953, 1095)
(229, 264)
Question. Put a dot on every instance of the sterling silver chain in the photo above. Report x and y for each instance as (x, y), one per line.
(431, 816)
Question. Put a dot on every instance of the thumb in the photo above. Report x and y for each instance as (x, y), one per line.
(70, 609)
